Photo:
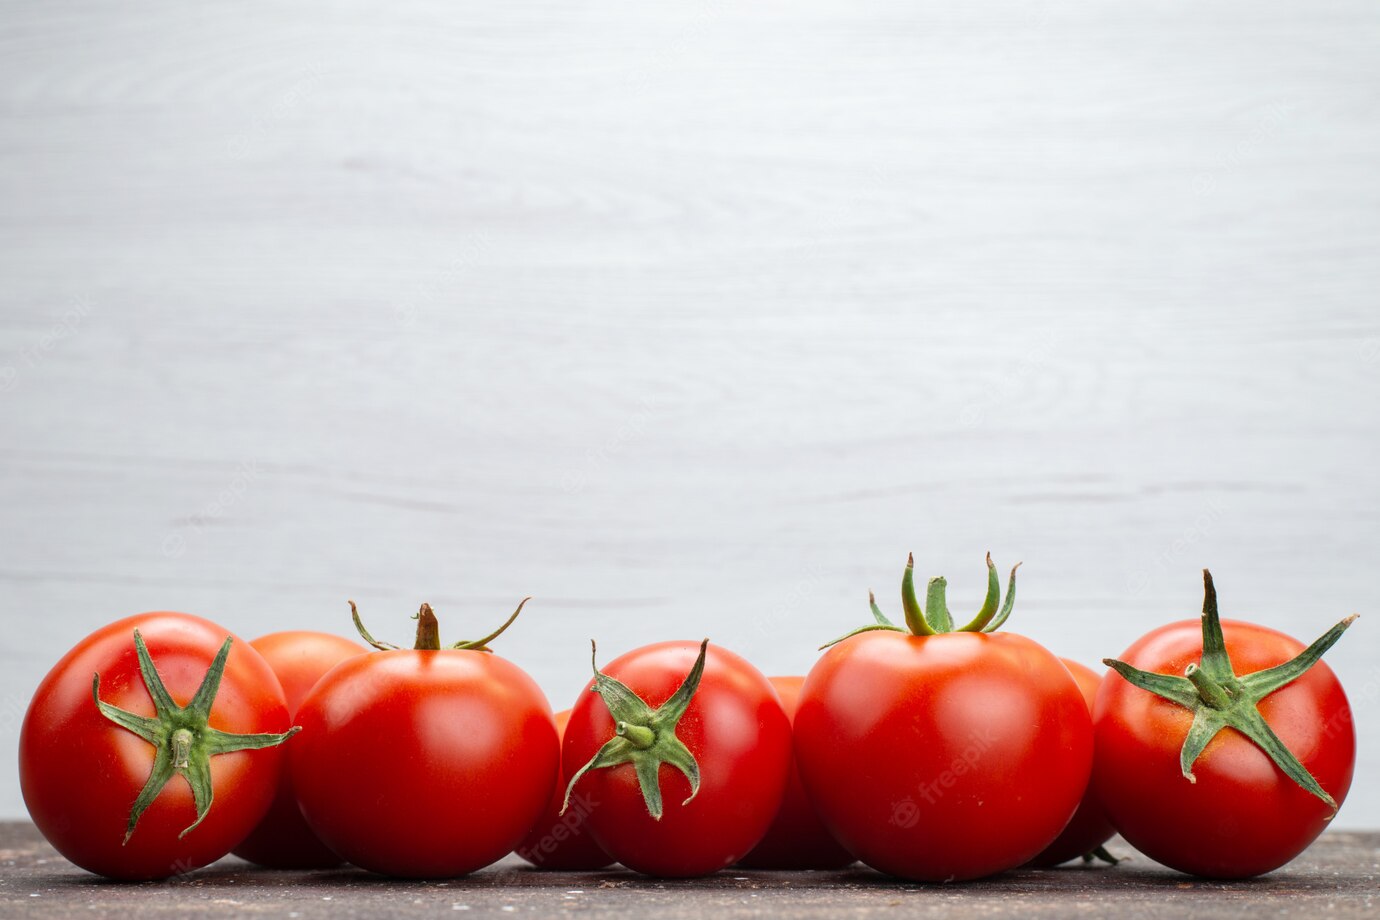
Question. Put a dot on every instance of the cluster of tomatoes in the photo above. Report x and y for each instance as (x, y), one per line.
(931, 751)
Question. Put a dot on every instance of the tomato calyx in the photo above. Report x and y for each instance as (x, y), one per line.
(645, 737)
(428, 636)
(1219, 698)
(1102, 854)
(935, 618)
(183, 741)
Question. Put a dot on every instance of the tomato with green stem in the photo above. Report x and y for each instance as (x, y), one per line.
(1089, 828)
(282, 839)
(428, 762)
(941, 754)
(559, 839)
(1227, 747)
(797, 839)
(683, 755)
(166, 711)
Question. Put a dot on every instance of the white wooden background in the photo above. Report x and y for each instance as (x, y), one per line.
(688, 319)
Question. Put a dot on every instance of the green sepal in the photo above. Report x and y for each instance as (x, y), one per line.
(881, 623)
(183, 741)
(428, 636)
(916, 621)
(877, 611)
(482, 645)
(989, 603)
(873, 627)
(644, 737)
(937, 614)
(1269, 680)
(1176, 689)
(934, 618)
(1220, 699)
(1000, 619)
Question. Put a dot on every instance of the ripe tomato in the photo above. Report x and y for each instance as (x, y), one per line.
(708, 732)
(1222, 804)
(427, 762)
(282, 840)
(177, 694)
(937, 755)
(1089, 828)
(561, 841)
(796, 839)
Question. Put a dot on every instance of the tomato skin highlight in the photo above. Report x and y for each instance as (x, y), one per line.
(737, 731)
(945, 757)
(797, 839)
(79, 772)
(559, 841)
(1089, 827)
(1243, 816)
(282, 840)
(424, 764)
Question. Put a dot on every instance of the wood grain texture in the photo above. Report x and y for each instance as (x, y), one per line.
(687, 321)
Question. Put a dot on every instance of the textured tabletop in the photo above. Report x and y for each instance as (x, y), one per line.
(1336, 878)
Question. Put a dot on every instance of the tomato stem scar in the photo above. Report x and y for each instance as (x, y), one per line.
(182, 748)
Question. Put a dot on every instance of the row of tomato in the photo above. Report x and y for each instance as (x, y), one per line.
(932, 750)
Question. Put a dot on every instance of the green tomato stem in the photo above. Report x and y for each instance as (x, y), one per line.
(182, 748)
(643, 736)
(1209, 691)
(182, 738)
(428, 630)
(639, 736)
(1219, 698)
(935, 619)
(428, 636)
(937, 606)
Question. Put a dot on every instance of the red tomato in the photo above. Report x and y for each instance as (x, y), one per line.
(739, 737)
(945, 755)
(796, 839)
(1089, 828)
(80, 772)
(282, 840)
(1241, 816)
(424, 763)
(561, 841)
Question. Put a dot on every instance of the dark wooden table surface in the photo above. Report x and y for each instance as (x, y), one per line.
(1336, 878)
